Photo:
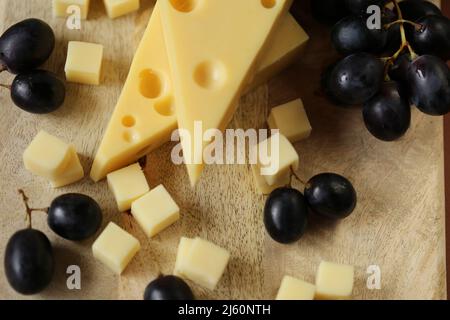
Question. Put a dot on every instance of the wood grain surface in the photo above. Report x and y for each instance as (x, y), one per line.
(398, 224)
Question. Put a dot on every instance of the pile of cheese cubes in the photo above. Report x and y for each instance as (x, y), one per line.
(114, 8)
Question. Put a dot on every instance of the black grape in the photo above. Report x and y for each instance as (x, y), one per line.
(286, 215)
(398, 71)
(351, 35)
(38, 91)
(328, 11)
(433, 38)
(428, 84)
(415, 9)
(168, 288)
(359, 7)
(354, 79)
(74, 216)
(26, 45)
(330, 195)
(387, 116)
(29, 262)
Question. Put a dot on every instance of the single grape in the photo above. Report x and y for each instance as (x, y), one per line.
(38, 92)
(387, 116)
(330, 195)
(398, 71)
(433, 38)
(168, 288)
(29, 261)
(286, 215)
(428, 85)
(359, 7)
(26, 45)
(328, 11)
(354, 79)
(415, 9)
(351, 35)
(74, 217)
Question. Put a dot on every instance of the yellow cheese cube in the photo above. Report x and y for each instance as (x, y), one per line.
(281, 159)
(155, 211)
(183, 251)
(84, 62)
(295, 289)
(292, 121)
(60, 7)
(47, 156)
(261, 184)
(115, 248)
(334, 281)
(128, 184)
(73, 173)
(117, 8)
(205, 263)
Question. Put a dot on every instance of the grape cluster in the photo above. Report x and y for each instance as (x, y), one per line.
(24, 47)
(386, 70)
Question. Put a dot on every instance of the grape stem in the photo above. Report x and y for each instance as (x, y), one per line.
(29, 210)
(403, 21)
(296, 176)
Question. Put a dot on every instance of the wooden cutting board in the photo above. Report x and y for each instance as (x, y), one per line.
(398, 224)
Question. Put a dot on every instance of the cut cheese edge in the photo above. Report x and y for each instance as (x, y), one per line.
(154, 118)
(211, 64)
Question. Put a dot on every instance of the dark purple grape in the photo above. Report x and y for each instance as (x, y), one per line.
(168, 288)
(433, 38)
(286, 215)
(38, 92)
(387, 116)
(330, 195)
(428, 85)
(74, 217)
(29, 262)
(329, 11)
(354, 79)
(359, 7)
(415, 9)
(398, 71)
(26, 45)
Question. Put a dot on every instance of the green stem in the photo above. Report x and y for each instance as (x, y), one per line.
(403, 21)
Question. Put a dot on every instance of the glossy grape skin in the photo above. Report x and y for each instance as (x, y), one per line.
(329, 11)
(354, 79)
(415, 9)
(26, 45)
(387, 116)
(286, 215)
(38, 92)
(330, 195)
(428, 85)
(359, 7)
(29, 262)
(168, 288)
(398, 71)
(74, 217)
(433, 38)
(351, 35)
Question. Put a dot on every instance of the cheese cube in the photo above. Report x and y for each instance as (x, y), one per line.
(128, 184)
(183, 250)
(295, 289)
(117, 8)
(292, 121)
(205, 263)
(47, 156)
(115, 248)
(261, 184)
(73, 173)
(84, 62)
(155, 211)
(60, 7)
(281, 161)
(334, 281)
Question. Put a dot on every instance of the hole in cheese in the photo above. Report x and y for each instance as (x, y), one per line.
(128, 121)
(210, 74)
(151, 85)
(129, 136)
(268, 3)
(183, 5)
(165, 107)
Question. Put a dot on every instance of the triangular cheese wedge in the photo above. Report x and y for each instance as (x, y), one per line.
(143, 118)
(213, 47)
